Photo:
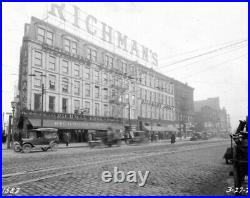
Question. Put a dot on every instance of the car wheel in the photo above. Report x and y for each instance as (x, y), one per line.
(27, 148)
(53, 146)
(17, 148)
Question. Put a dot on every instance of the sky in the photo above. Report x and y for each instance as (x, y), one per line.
(202, 44)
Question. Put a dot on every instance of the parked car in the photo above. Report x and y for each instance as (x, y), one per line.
(136, 137)
(41, 138)
(199, 136)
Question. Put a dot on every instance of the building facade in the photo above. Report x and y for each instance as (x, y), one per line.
(210, 117)
(184, 105)
(68, 83)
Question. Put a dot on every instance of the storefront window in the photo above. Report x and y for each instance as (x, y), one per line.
(37, 102)
(64, 105)
(105, 110)
(97, 109)
(51, 103)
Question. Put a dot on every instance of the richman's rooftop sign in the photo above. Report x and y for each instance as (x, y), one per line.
(103, 32)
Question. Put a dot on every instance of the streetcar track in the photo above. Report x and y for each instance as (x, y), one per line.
(121, 159)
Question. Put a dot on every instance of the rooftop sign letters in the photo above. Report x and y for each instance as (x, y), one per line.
(100, 31)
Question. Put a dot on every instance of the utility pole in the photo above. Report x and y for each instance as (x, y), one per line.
(42, 105)
(9, 132)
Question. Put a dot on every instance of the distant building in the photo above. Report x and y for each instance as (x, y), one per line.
(210, 117)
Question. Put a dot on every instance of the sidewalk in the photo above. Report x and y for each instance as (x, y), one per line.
(85, 144)
(60, 146)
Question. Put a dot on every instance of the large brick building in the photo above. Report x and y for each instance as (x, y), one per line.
(184, 105)
(71, 84)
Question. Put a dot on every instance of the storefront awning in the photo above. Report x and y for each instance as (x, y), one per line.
(69, 124)
(169, 128)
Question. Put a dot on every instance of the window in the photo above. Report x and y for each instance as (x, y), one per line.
(96, 76)
(87, 89)
(65, 66)
(52, 82)
(87, 107)
(52, 63)
(105, 93)
(97, 91)
(49, 38)
(105, 78)
(105, 110)
(51, 103)
(87, 73)
(40, 34)
(77, 70)
(44, 36)
(133, 99)
(67, 45)
(77, 88)
(113, 94)
(64, 105)
(92, 54)
(38, 59)
(124, 67)
(37, 102)
(65, 85)
(108, 61)
(97, 109)
(38, 79)
(132, 114)
(76, 106)
(73, 47)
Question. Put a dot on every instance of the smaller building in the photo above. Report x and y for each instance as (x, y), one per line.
(184, 102)
(210, 117)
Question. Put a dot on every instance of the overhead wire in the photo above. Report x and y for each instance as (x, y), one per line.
(213, 56)
(202, 54)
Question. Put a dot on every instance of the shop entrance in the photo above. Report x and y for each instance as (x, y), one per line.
(79, 135)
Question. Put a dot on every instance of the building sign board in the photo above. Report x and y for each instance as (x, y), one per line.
(88, 26)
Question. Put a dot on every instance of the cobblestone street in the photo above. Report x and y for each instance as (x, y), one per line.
(186, 168)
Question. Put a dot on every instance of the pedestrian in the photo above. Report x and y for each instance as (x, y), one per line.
(173, 139)
(67, 139)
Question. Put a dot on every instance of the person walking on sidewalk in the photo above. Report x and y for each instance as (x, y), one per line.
(67, 139)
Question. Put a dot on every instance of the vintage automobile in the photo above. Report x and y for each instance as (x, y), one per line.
(240, 154)
(134, 137)
(199, 136)
(41, 138)
(107, 137)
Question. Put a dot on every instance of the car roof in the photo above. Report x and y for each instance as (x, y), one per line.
(46, 129)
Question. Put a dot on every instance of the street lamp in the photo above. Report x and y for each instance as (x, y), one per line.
(13, 105)
(43, 90)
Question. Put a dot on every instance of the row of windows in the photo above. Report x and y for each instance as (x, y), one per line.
(153, 96)
(153, 112)
(108, 110)
(65, 87)
(147, 79)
